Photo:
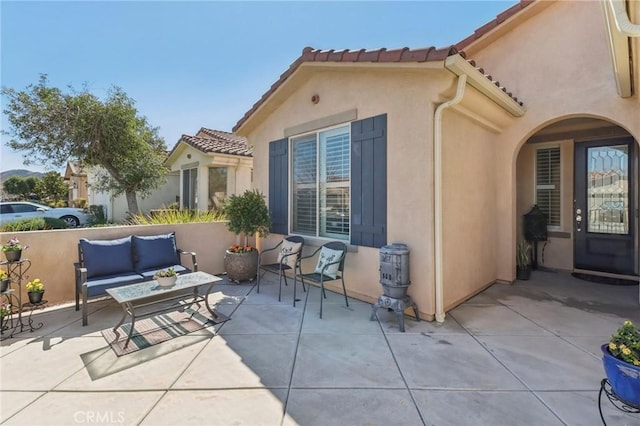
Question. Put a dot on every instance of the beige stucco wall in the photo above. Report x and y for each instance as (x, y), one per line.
(408, 97)
(53, 253)
(558, 63)
(558, 250)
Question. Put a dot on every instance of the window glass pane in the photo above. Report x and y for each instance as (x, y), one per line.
(334, 183)
(217, 187)
(304, 185)
(608, 189)
(548, 183)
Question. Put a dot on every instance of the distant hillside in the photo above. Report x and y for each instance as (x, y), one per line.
(19, 172)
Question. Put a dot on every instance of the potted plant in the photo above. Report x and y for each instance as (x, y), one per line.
(5, 311)
(35, 290)
(4, 280)
(248, 215)
(166, 277)
(621, 359)
(523, 257)
(12, 249)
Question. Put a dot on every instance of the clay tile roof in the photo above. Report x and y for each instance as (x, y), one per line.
(484, 29)
(217, 141)
(309, 54)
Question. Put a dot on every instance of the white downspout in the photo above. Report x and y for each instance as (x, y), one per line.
(437, 183)
(623, 23)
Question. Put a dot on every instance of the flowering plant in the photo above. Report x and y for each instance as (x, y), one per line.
(625, 344)
(241, 249)
(35, 286)
(5, 309)
(13, 245)
(164, 273)
(3, 275)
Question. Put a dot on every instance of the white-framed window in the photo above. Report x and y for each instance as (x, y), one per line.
(320, 183)
(548, 188)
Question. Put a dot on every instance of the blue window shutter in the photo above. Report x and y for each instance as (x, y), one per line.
(369, 182)
(279, 186)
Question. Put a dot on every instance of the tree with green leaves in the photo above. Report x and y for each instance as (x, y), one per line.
(52, 187)
(52, 127)
(20, 186)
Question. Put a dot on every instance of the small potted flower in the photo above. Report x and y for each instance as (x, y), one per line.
(166, 277)
(621, 359)
(35, 290)
(4, 280)
(5, 311)
(12, 249)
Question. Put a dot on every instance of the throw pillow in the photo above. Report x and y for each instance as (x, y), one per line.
(327, 256)
(155, 251)
(289, 247)
(106, 257)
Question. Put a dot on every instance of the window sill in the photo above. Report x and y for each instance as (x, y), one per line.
(318, 241)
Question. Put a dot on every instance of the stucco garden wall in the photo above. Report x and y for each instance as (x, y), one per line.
(408, 98)
(53, 253)
(559, 64)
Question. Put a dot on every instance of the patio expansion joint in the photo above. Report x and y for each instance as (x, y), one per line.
(404, 380)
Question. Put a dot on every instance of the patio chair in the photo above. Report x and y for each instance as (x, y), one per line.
(288, 258)
(330, 267)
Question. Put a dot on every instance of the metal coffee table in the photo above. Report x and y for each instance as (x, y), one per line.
(135, 296)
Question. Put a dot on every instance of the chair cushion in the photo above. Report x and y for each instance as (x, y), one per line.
(100, 285)
(155, 251)
(327, 256)
(289, 247)
(106, 257)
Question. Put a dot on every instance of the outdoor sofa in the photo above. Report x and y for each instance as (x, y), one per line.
(104, 264)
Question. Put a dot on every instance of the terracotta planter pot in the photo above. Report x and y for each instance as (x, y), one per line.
(241, 266)
(13, 255)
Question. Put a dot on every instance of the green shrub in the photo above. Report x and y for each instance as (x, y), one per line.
(96, 216)
(170, 216)
(34, 224)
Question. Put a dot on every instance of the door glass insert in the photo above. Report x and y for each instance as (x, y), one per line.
(608, 189)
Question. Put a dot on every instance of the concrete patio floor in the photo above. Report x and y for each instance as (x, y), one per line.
(527, 354)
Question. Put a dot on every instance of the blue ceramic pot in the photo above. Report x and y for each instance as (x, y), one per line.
(624, 377)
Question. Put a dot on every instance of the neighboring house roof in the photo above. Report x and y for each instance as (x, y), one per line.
(74, 168)
(217, 142)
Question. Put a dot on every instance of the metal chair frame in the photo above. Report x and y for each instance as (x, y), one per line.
(320, 278)
(281, 267)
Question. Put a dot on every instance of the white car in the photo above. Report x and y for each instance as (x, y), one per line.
(17, 210)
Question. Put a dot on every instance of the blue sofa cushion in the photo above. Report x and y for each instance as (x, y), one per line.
(154, 252)
(148, 274)
(106, 257)
(100, 285)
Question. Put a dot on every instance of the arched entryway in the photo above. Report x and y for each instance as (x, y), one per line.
(583, 173)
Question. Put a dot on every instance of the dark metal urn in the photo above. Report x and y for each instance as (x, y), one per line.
(35, 297)
(13, 255)
(5, 285)
(241, 266)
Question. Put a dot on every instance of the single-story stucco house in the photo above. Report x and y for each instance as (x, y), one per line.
(446, 149)
(208, 166)
(211, 165)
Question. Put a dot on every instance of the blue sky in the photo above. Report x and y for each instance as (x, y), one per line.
(204, 64)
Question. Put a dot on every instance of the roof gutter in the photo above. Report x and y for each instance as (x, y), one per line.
(619, 29)
(460, 66)
(437, 183)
